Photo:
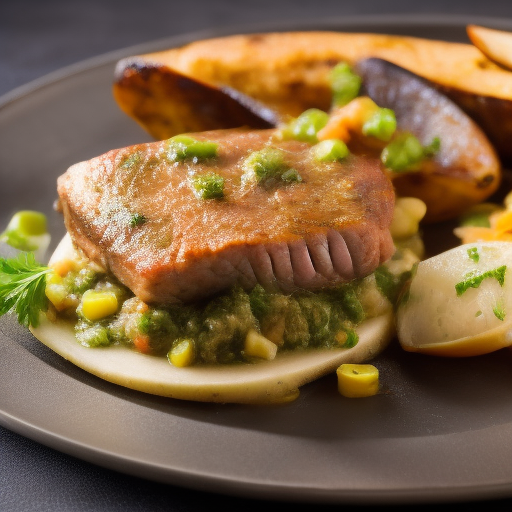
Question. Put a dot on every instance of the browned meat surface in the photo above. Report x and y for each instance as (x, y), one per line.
(326, 229)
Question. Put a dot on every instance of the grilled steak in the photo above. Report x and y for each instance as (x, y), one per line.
(137, 212)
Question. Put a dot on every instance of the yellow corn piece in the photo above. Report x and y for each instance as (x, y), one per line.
(256, 345)
(358, 380)
(406, 218)
(182, 353)
(56, 291)
(348, 118)
(97, 304)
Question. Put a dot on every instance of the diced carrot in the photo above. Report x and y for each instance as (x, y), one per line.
(347, 118)
(62, 267)
(504, 223)
(141, 343)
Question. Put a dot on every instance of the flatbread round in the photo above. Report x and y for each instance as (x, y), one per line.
(263, 382)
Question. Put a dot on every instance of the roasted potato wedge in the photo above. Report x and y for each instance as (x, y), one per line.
(288, 72)
(166, 102)
(494, 44)
(465, 171)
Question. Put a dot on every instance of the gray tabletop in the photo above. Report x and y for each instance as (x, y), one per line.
(41, 36)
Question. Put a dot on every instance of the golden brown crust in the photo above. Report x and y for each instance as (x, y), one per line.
(288, 73)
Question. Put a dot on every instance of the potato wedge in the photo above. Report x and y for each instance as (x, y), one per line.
(167, 102)
(496, 45)
(288, 72)
(465, 171)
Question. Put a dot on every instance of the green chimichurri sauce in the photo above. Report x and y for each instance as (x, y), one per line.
(218, 328)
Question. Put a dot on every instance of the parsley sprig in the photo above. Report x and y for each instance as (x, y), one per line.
(22, 288)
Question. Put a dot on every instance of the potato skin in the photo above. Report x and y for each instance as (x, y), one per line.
(288, 72)
(465, 171)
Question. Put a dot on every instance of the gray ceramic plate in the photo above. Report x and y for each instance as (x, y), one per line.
(443, 430)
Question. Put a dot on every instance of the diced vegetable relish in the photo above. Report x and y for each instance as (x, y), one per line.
(216, 330)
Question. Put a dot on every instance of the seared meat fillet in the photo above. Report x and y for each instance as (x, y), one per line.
(135, 212)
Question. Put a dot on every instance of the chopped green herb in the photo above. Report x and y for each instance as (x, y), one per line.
(475, 280)
(137, 219)
(183, 147)
(306, 126)
(433, 148)
(22, 288)
(473, 254)
(267, 167)
(405, 152)
(478, 313)
(208, 186)
(499, 311)
(382, 125)
(330, 150)
(131, 160)
(345, 84)
(389, 284)
(291, 176)
(352, 338)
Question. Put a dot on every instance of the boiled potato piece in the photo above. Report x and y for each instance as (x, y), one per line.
(459, 302)
(494, 44)
(288, 72)
(465, 171)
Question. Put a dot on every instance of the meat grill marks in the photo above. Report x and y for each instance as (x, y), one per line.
(327, 229)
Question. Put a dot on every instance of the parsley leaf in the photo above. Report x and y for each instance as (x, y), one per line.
(22, 288)
(474, 280)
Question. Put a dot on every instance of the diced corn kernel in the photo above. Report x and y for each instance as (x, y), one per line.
(406, 218)
(358, 380)
(56, 291)
(98, 304)
(256, 345)
(182, 353)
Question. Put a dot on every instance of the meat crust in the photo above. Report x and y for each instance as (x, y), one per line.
(327, 229)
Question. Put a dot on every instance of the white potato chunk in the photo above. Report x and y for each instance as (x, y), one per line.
(459, 302)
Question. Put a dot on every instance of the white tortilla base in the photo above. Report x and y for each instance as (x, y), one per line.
(264, 382)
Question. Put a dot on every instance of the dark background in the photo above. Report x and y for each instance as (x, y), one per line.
(41, 36)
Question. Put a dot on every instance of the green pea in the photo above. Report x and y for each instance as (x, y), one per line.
(28, 223)
(208, 186)
(264, 164)
(183, 147)
(403, 153)
(345, 84)
(306, 126)
(330, 150)
(381, 125)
